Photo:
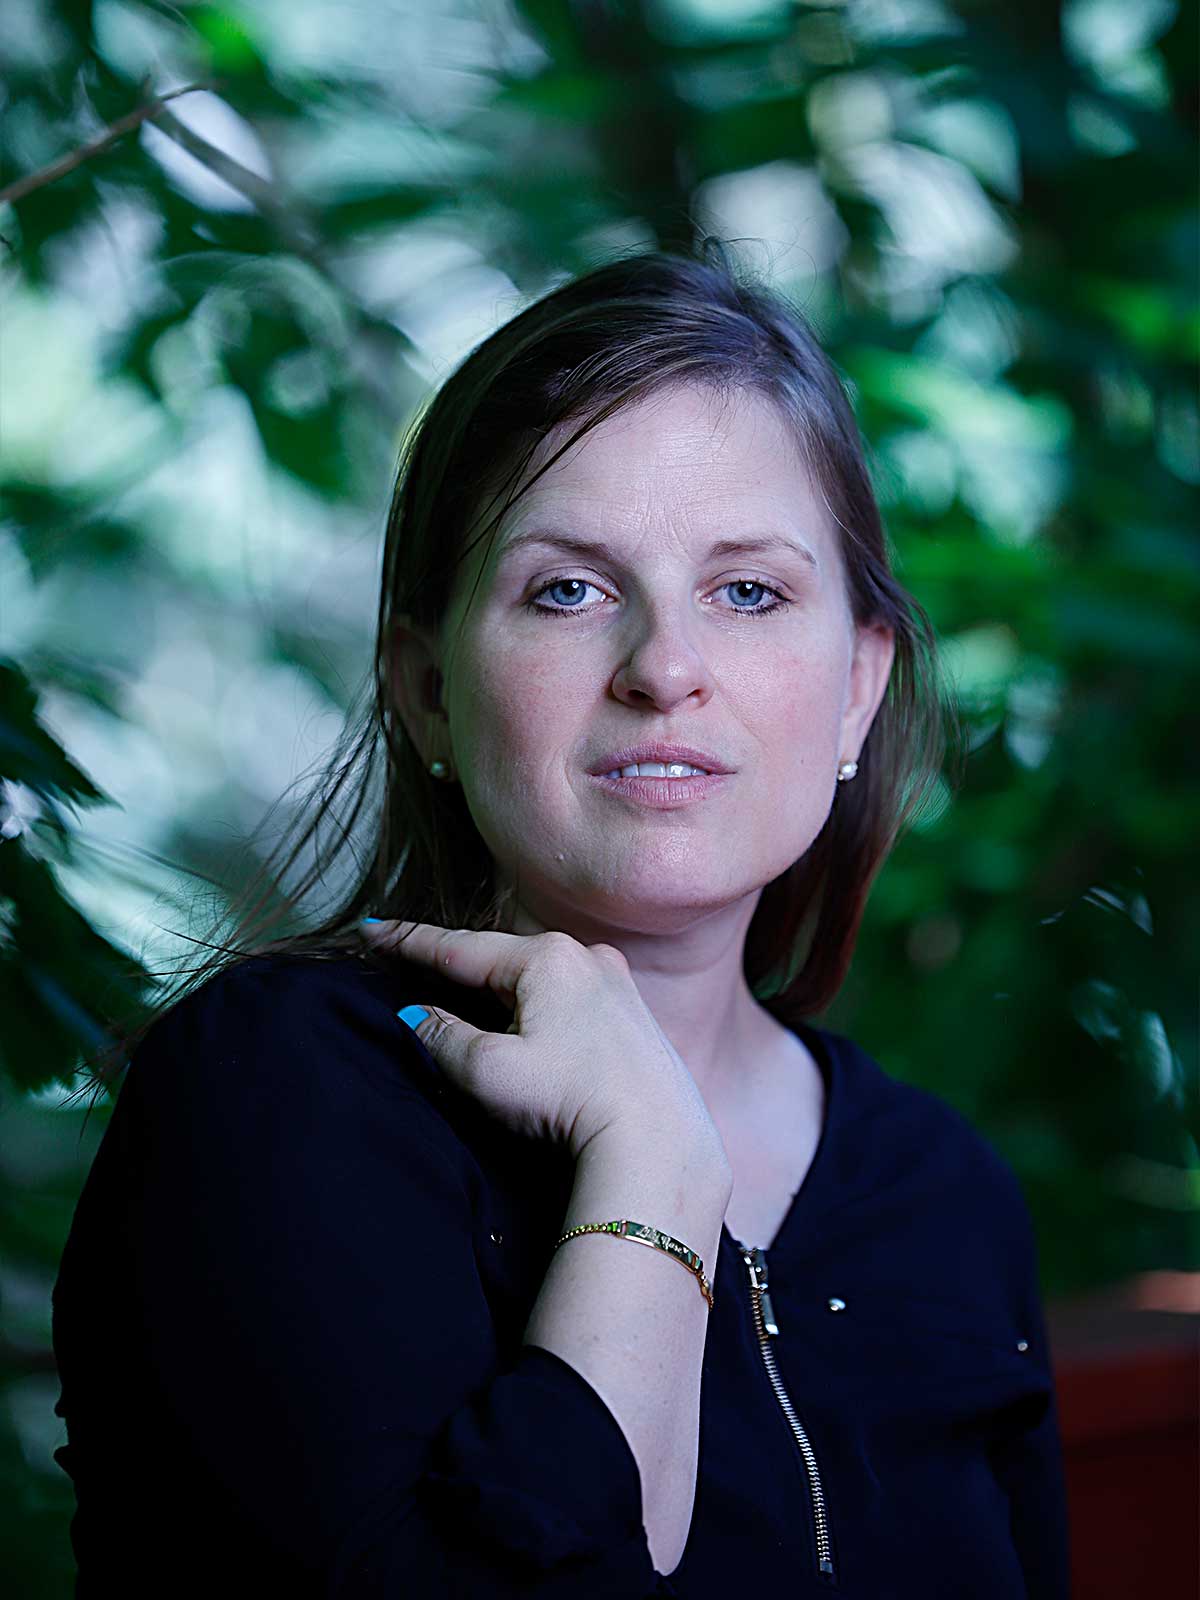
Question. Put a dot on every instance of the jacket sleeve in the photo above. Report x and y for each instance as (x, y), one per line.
(317, 1324)
(1028, 1458)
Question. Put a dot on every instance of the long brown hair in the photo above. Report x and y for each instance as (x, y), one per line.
(577, 355)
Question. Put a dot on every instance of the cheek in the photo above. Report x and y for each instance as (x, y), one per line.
(797, 697)
(508, 708)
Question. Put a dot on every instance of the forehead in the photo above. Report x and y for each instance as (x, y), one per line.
(685, 440)
(679, 459)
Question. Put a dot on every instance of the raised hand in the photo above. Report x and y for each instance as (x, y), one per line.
(583, 1053)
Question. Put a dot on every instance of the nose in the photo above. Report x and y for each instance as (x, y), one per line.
(663, 666)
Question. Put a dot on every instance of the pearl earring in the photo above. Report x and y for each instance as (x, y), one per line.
(439, 769)
(847, 770)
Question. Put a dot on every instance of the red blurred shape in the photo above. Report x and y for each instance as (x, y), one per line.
(1127, 1372)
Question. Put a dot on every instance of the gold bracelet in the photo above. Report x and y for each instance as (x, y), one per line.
(643, 1233)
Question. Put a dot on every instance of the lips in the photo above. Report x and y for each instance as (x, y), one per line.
(658, 752)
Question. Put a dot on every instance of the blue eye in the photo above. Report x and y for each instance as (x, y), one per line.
(557, 583)
(758, 611)
(531, 604)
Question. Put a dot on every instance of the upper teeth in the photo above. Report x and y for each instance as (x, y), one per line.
(658, 769)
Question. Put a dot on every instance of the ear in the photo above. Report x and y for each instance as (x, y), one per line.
(416, 682)
(870, 669)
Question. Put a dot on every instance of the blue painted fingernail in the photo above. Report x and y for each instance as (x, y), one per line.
(370, 919)
(413, 1016)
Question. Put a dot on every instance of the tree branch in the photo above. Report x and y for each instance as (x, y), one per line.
(260, 192)
(115, 130)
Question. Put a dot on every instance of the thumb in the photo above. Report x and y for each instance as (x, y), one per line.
(445, 1036)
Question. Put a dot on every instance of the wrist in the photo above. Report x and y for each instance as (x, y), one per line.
(679, 1147)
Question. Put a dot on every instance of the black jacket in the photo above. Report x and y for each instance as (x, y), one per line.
(288, 1323)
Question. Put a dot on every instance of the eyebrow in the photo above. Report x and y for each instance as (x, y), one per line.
(760, 544)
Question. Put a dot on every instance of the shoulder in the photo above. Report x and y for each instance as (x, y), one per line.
(282, 1105)
(910, 1143)
(281, 983)
(303, 1031)
(915, 1117)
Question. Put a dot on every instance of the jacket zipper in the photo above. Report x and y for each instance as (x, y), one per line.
(764, 1320)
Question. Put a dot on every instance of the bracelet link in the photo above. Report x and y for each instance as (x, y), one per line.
(643, 1233)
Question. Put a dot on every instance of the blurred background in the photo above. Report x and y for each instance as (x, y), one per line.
(239, 246)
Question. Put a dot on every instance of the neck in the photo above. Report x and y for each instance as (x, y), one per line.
(692, 982)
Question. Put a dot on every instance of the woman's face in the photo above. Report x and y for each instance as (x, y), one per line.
(565, 657)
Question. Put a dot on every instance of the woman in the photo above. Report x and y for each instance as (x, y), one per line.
(349, 1305)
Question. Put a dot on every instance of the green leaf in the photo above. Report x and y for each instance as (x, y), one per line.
(28, 754)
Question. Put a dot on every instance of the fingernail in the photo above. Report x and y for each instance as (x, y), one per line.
(413, 1016)
(370, 919)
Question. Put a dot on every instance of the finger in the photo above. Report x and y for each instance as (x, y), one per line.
(446, 1037)
(383, 931)
(387, 933)
(478, 958)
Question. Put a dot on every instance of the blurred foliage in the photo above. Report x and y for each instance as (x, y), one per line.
(218, 322)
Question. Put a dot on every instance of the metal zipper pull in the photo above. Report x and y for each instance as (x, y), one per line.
(758, 1277)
